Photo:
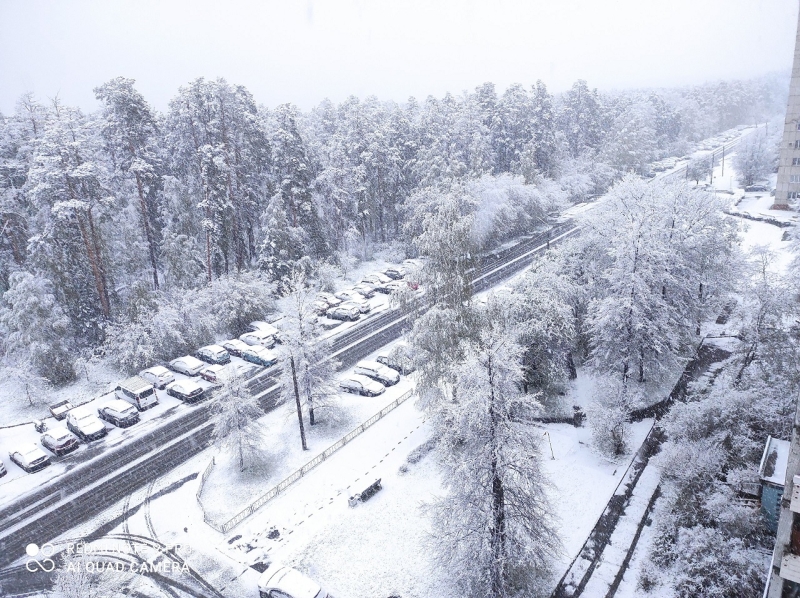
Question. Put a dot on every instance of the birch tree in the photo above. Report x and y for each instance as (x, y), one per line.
(235, 413)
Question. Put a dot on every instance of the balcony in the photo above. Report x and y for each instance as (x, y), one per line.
(794, 505)
(790, 567)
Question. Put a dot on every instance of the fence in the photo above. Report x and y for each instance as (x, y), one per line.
(270, 494)
(203, 479)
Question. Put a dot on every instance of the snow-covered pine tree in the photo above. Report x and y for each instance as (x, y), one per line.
(130, 137)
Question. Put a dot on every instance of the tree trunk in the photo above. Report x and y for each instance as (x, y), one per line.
(148, 233)
(309, 398)
(498, 530)
(97, 272)
(299, 408)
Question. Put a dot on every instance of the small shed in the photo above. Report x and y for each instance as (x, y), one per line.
(772, 473)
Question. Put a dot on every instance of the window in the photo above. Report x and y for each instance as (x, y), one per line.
(792, 195)
(794, 178)
(795, 161)
(798, 126)
(796, 144)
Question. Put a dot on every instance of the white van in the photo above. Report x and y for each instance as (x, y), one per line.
(137, 391)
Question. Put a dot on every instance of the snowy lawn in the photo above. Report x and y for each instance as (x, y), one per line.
(228, 490)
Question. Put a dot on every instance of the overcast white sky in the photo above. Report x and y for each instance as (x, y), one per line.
(302, 51)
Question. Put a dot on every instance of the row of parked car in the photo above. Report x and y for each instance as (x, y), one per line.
(137, 393)
(370, 378)
(350, 304)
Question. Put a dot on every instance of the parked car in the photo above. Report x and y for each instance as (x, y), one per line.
(331, 300)
(378, 282)
(138, 392)
(756, 189)
(395, 272)
(59, 409)
(260, 356)
(350, 296)
(187, 391)
(344, 313)
(217, 373)
(187, 365)
(263, 327)
(120, 413)
(397, 358)
(361, 385)
(235, 346)
(258, 337)
(362, 306)
(213, 354)
(30, 457)
(59, 441)
(213, 373)
(320, 307)
(158, 376)
(279, 581)
(367, 290)
(85, 424)
(3, 470)
(378, 372)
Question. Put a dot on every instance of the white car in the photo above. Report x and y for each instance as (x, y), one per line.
(351, 296)
(361, 385)
(378, 372)
(279, 581)
(187, 391)
(263, 327)
(362, 306)
(85, 424)
(258, 337)
(158, 376)
(188, 365)
(30, 457)
(331, 300)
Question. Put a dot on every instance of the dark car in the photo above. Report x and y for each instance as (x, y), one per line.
(756, 189)
(59, 410)
(213, 354)
(260, 356)
(120, 413)
(187, 391)
(344, 313)
(395, 273)
(59, 441)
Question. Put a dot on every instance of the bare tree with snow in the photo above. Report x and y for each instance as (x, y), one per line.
(494, 526)
(235, 414)
(307, 371)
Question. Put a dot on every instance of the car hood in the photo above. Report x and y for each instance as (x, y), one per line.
(289, 581)
(375, 386)
(89, 425)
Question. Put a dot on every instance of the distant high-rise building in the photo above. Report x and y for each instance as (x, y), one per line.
(788, 186)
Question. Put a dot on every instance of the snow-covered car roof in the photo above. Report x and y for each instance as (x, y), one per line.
(215, 348)
(119, 406)
(80, 412)
(288, 580)
(190, 361)
(365, 381)
(262, 351)
(185, 386)
(29, 450)
(157, 370)
(264, 327)
(58, 433)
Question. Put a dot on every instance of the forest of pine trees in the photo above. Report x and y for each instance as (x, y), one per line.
(129, 220)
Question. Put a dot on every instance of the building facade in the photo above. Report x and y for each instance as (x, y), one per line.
(787, 189)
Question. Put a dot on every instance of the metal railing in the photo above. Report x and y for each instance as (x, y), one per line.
(291, 479)
(203, 479)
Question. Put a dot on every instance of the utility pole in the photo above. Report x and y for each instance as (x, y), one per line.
(723, 161)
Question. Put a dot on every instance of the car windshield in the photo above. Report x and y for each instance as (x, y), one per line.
(127, 410)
